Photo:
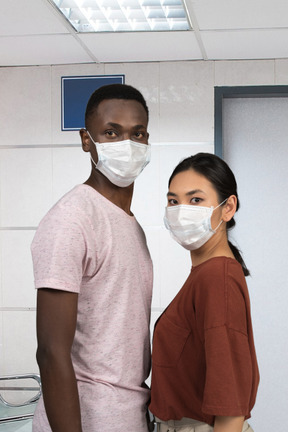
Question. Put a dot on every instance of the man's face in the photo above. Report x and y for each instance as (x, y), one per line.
(118, 120)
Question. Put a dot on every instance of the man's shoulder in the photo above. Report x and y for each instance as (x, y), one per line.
(71, 213)
(79, 194)
(81, 198)
(69, 206)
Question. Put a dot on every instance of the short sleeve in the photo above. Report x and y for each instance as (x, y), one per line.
(222, 323)
(228, 372)
(59, 250)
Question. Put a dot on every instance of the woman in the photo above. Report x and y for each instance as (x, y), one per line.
(204, 367)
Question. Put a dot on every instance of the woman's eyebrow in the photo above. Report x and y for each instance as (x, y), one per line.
(189, 193)
(194, 191)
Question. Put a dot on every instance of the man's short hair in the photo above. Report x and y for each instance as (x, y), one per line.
(113, 91)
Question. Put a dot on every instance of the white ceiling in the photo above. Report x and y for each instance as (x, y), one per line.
(32, 32)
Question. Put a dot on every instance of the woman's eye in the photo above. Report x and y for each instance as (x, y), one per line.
(172, 201)
(196, 200)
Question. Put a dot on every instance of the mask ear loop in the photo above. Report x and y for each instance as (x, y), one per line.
(90, 136)
(220, 204)
(95, 165)
(214, 230)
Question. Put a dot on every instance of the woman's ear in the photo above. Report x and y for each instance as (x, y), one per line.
(85, 139)
(229, 208)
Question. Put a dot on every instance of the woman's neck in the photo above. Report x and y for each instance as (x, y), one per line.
(215, 247)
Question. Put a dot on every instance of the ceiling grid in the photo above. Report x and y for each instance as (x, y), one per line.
(32, 33)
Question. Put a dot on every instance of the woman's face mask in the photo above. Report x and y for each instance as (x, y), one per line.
(190, 225)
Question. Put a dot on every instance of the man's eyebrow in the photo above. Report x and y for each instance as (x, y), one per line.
(119, 126)
(140, 126)
(115, 125)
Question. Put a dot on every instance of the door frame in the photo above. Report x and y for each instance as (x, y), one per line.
(221, 93)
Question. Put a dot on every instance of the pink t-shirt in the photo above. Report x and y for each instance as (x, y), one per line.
(88, 245)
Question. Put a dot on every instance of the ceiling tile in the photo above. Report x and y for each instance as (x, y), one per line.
(235, 14)
(159, 46)
(246, 44)
(41, 50)
(30, 17)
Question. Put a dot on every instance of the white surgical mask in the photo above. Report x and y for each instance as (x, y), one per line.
(190, 225)
(122, 161)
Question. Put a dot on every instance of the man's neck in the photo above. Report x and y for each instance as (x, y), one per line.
(121, 197)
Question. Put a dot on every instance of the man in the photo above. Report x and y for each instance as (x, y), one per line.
(93, 272)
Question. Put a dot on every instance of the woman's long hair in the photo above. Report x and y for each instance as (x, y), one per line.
(223, 180)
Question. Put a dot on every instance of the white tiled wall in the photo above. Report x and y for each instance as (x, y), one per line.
(25, 185)
(17, 278)
(25, 106)
(39, 163)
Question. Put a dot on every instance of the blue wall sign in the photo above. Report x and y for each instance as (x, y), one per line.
(76, 91)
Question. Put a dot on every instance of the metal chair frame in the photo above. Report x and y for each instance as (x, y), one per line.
(32, 401)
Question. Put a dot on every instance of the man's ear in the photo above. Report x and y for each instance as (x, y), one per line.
(85, 139)
(229, 208)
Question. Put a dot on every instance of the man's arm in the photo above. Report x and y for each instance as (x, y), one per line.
(228, 424)
(56, 323)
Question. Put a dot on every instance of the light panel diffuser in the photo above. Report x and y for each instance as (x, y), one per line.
(124, 15)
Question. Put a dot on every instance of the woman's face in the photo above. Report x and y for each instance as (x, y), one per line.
(191, 188)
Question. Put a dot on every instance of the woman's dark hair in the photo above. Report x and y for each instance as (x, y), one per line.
(222, 178)
(113, 91)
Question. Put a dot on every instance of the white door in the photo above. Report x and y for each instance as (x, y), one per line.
(255, 145)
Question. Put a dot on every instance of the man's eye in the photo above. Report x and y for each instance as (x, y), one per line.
(110, 133)
(140, 135)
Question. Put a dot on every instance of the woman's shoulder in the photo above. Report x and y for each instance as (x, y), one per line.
(217, 267)
(212, 278)
(220, 291)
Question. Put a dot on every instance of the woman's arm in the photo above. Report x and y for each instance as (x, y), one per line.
(56, 323)
(228, 424)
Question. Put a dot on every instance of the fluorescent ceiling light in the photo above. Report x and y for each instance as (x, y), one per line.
(124, 15)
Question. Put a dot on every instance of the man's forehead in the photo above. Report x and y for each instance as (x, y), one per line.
(118, 103)
(111, 108)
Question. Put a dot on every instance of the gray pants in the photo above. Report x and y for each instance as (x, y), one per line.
(189, 425)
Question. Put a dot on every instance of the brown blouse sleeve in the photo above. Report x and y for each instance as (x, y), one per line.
(222, 316)
(228, 372)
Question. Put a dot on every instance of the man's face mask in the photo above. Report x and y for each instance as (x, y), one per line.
(122, 161)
